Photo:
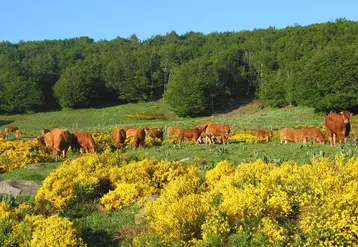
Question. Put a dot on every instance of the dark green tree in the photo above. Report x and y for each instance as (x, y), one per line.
(18, 95)
(80, 86)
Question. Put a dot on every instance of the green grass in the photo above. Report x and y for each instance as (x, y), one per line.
(100, 228)
(104, 119)
(34, 174)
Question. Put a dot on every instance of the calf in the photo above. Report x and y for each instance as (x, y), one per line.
(337, 126)
(291, 135)
(313, 134)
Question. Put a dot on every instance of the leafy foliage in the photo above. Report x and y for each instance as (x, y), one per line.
(314, 66)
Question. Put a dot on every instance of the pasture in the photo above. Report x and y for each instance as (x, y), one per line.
(100, 228)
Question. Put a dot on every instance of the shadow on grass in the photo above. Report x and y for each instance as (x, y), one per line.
(97, 238)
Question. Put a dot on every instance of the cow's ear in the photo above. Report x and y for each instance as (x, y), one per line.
(341, 113)
(351, 114)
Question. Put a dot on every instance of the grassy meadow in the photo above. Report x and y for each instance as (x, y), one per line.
(100, 228)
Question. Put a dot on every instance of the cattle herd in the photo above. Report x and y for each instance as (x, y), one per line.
(59, 140)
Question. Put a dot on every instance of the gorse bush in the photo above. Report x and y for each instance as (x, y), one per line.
(20, 226)
(254, 203)
(17, 154)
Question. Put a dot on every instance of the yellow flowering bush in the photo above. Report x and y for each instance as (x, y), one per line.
(19, 226)
(17, 154)
(55, 231)
(275, 205)
(86, 174)
(103, 141)
(245, 136)
(139, 179)
(308, 205)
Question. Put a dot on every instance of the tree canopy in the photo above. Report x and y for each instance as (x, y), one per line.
(314, 65)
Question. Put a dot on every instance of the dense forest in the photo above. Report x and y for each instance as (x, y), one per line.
(315, 65)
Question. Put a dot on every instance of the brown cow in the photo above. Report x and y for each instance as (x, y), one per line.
(291, 135)
(313, 134)
(338, 126)
(156, 133)
(264, 134)
(139, 138)
(44, 131)
(133, 131)
(11, 129)
(119, 137)
(218, 131)
(83, 141)
(171, 130)
(59, 140)
(18, 133)
(191, 134)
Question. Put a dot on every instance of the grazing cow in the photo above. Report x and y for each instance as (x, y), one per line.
(191, 134)
(264, 134)
(338, 126)
(44, 131)
(139, 138)
(119, 137)
(291, 135)
(313, 134)
(171, 130)
(218, 131)
(18, 133)
(59, 140)
(3, 136)
(157, 133)
(11, 129)
(83, 141)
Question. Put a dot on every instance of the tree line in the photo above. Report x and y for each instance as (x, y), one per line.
(315, 65)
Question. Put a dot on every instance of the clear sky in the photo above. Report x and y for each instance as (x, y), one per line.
(107, 19)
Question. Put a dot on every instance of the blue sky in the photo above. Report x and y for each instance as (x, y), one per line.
(107, 19)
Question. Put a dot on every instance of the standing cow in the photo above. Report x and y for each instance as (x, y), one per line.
(337, 126)
(139, 138)
(216, 131)
(83, 141)
(119, 138)
(59, 140)
(191, 134)
(312, 134)
(291, 135)
(156, 133)
(264, 134)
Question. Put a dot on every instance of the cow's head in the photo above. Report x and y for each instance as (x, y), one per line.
(345, 116)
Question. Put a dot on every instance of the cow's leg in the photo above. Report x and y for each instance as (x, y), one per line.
(334, 139)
